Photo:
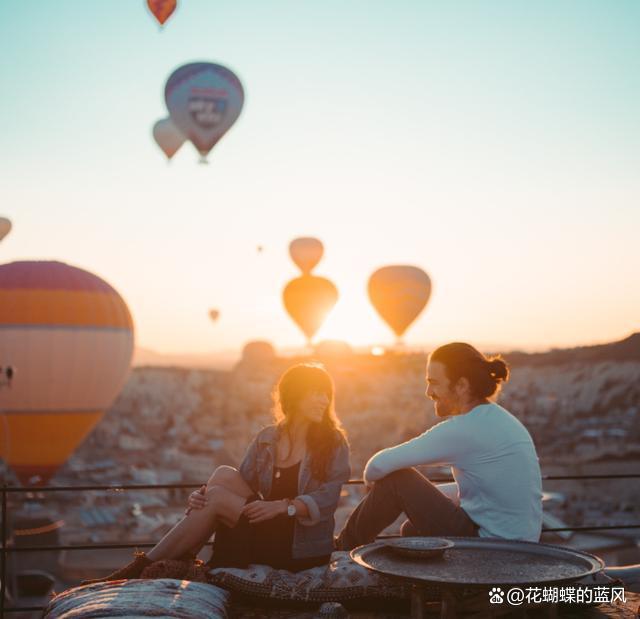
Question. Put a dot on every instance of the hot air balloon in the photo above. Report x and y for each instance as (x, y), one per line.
(306, 252)
(204, 100)
(399, 294)
(5, 227)
(168, 137)
(214, 314)
(258, 352)
(69, 335)
(308, 300)
(162, 9)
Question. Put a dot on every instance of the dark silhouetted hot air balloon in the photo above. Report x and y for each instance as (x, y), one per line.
(162, 9)
(308, 300)
(168, 137)
(69, 335)
(5, 227)
(204, 100)
(258, 352)
(306, 252)
(399, 294)
(214, 314)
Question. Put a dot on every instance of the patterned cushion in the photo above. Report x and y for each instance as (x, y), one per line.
(342, 579)
(141, 598)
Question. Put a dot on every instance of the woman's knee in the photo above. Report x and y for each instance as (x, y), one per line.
(224, 475)
(224, 504)
(217, 497)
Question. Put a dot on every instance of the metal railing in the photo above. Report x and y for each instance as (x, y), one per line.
(6, 550)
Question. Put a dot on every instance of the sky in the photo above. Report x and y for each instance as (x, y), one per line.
(496, 145)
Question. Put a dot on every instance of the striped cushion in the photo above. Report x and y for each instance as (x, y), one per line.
(164, 597)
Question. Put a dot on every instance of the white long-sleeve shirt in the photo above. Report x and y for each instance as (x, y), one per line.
(495, 465)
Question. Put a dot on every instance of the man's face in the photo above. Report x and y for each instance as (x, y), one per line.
(439, 390)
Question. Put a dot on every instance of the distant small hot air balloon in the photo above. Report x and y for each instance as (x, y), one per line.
(5, 227)
(69, 335)
(214, 314)
(168, 137)
(308, 300)
(306, 252)
(162, 9)
(399, 294)
(204, 100)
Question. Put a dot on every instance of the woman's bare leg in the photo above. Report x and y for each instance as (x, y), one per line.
(226, 496)
(229, 478)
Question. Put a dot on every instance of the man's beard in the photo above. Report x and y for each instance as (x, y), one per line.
(442, 409)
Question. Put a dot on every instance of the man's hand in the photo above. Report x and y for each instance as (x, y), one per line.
(259, 511)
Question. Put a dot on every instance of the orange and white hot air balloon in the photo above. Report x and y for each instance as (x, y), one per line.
(5, 227)
(214, 314)
(399, 294)
(162, 9)
(308, 300)
(306, 252)
(69, 336)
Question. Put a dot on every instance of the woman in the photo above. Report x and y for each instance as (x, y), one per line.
(278, 508)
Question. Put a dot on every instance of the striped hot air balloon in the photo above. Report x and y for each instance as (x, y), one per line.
(69, 335)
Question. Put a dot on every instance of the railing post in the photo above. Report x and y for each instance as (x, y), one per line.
(3, 558)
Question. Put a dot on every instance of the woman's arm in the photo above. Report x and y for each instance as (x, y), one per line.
(321, 503)
(258, 511)
(248, 467)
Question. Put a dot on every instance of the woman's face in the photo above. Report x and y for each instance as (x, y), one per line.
(313, 406)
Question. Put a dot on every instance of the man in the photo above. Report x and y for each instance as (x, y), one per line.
(491, 454)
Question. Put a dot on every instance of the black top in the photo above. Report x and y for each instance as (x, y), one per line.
(274, 538)
(268, 542)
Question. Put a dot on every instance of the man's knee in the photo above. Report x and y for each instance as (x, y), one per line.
(222, 476)
(397, 478)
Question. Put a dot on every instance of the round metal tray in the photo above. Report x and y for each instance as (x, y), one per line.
(484, 561)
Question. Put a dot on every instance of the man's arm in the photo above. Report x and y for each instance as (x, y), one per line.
(436, 446)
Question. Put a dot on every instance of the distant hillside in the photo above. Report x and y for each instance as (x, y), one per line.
(143, 357)
(624, 350)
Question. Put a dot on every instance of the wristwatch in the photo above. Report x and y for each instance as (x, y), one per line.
(291, 509)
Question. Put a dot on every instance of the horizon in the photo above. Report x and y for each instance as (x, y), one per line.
(224, 359)
(496, 147)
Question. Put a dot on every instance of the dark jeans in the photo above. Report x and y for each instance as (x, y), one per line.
(429, 511)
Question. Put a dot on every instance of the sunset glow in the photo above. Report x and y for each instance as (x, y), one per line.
(415, 137)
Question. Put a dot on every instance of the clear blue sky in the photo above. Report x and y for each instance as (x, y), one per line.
(494, 144)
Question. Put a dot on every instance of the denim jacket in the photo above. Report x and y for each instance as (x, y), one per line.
(313, 535)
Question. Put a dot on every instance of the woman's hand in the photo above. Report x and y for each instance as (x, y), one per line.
(259, 511)
(197, 500)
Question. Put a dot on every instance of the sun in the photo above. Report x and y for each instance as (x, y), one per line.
(353, 321)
